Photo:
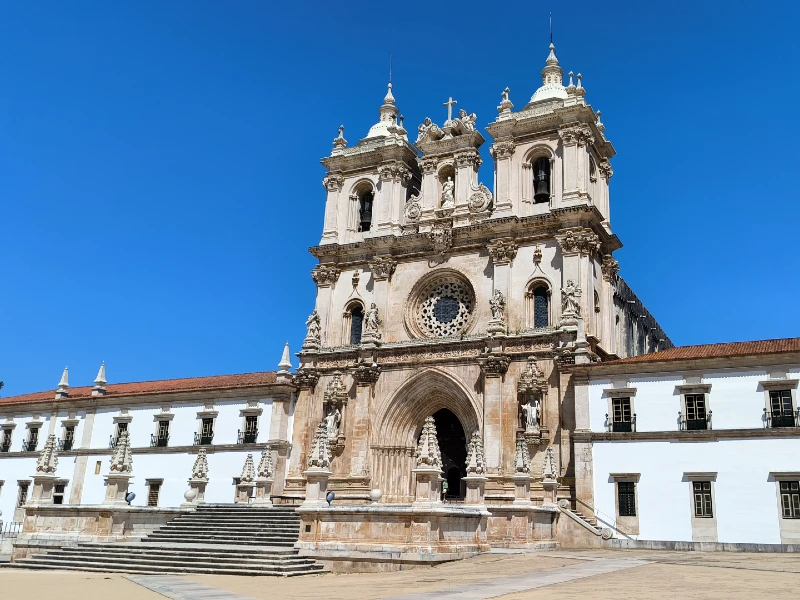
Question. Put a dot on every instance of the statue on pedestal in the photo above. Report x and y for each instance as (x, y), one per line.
(448, 197)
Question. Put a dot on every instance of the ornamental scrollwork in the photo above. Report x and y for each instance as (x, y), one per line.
(494, 365)
(382, 267)
(306, 378)
(578, 240)
(333, 183)
(413, 209)
(480, 200)
(324, 275)
(502, 251)
(502, 150)
(429, 165)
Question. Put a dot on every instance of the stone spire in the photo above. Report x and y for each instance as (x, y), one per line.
(63, 386)
(121, 460)
(387, 124)
(549, 471)
(552, 80)
(99, 388)
(286, 361)
(249, 470)
(320, 455)
(48, 459)
(428, 454)
(475, 462)
(265, 467)
(522, 460)
(200, 468)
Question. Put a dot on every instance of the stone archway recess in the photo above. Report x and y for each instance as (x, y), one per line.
(399, 421)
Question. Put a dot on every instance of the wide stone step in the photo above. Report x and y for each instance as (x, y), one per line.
(157, 560)
(263, 535)
(227, 529)
(222, 540)
(216, 519)
(118, 567)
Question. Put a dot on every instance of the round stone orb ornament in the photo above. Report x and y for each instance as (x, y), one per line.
(190, 494)
(375, 495)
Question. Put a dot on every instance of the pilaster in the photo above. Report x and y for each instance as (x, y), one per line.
(325, 276)
(306, 380)
(494, 367)
(502, 152)
(333, 183)
(366, 376)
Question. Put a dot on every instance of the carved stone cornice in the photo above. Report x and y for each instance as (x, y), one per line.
(333, 182)
(494, 365)
(366, 374)
(306, 378)
(428, 165)
(578, 240)
(325, 275)
(501, 150)
(502, 250)
(382, 267)
(468, 158)
(609, 266)
(605, 170)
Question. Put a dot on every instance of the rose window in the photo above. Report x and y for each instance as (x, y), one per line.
(444, 307)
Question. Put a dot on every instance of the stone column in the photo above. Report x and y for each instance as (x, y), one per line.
(609, 331)
(382, 268)
(577, 245)
(333, 183)
(467, 163)
(430, 187)
(494, 367)
(79, 473)
(366, 376)
(502, 251)
(279, 436)
(325, 276)
(581, 437)
(502, 152)
(387, 195)
(306, 379)
(569, 158)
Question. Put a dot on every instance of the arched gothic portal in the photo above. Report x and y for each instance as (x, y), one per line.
(453, 446)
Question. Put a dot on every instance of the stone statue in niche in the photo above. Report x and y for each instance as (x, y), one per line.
(448, 197)
(531, 415)
(314, 326)
(332, 421)
(569, 300)
(371, 319)
(498, 306)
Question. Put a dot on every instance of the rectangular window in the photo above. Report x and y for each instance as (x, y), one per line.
(207, 431)
(122, 426)
(162, 434)
(22, 493)
(5, 445)
(696, 417)
(250, 429)
(33, 439)
(621, 414)
(790, 499)
(152, 494)
(627, 498)
(781, 412)
(69, 438)
(702, 499)
(58, 494)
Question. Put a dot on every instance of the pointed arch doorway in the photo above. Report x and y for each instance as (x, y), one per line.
(453, 447)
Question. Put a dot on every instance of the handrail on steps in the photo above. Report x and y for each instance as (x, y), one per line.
(613, 522)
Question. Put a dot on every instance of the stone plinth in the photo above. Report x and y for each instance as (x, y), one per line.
(429, 486)
(550, 486)
(199, 486)
(386, 536)
(522, 489)
(116, 489)
(263, 491)
(243, 493)
(316, 487)
(475, 490)
(49, 526)
(518, 526)
(43, 486)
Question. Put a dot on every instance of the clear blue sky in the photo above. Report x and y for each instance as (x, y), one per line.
(160, 176)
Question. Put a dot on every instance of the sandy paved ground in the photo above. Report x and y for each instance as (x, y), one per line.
(683, 575)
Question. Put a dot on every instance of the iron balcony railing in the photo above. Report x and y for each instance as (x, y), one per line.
(247, 437)
(621, 426)
(5, 446)
(112, 441)
(694, 424)
(158, 441)
(781, 419)
(203, 439)
(65, 445)
(29, 445)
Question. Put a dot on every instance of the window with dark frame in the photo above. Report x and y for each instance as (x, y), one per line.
(5, 446)
(365, 211)
(621, 414)
(356, 324)
(163, 433)
(33, 439)
(152, 493)
(58, 493)
(781, 411)
(22, 493)
(69, 438)
(541, 180)
(696, 417)
(790, 499)
(703, 506)
(250, 429)
(207, 430)
(626, 491)
(541, 310)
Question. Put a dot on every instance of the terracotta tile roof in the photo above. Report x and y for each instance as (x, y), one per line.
(164, 386)
(728, 350)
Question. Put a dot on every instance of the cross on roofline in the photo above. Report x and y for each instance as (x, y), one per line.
(449, 104)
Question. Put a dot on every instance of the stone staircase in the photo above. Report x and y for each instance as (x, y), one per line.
(220, 539)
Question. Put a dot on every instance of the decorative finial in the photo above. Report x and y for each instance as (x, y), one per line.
(100, 382)
(400, 120)
(63, 385)
(389, 99)
(600, 125)
(579, 89)
(449, 104)
(286, 361)
(551, 58)
(47, 463)
(340, 142)
(249, 470)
